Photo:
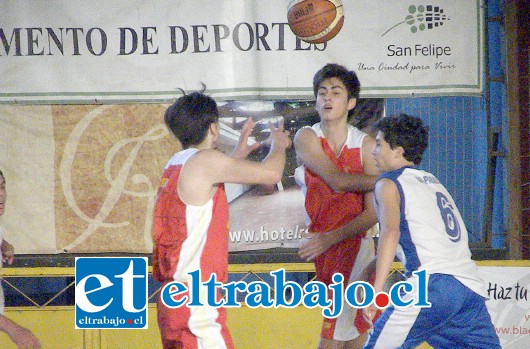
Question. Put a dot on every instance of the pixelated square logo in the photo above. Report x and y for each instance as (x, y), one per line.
(111, 292)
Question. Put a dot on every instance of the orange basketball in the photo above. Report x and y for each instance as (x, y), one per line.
(315, 21)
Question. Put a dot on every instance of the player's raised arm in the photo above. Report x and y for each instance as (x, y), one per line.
(320, 243)
(268, 171)
(243, 149)
(309, 152)
(210, 167)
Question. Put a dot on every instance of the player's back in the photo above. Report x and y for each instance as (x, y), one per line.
(433, 234)
(188, 237)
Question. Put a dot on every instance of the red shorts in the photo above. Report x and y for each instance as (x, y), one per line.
(193, 327)
(348, 258)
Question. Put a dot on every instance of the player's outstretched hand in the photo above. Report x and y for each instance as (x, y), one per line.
(369, 313)
(280, 138)
(243, 149)
(8, 252)
(315, 246)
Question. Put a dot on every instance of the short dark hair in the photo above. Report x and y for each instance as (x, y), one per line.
(190, 117)
(2, 175)
(407, 132)
(348, 78)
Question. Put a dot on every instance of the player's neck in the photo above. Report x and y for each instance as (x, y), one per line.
(404, 163)
(204, 146)
(209, 142)
(336, 133)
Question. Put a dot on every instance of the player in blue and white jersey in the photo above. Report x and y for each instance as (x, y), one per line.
(420, 223)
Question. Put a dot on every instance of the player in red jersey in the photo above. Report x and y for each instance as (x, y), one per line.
(337, 175)
(191, 214)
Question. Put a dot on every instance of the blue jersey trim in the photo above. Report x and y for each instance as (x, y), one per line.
(412, 261)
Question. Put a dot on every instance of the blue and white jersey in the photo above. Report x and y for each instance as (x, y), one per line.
(432, 233)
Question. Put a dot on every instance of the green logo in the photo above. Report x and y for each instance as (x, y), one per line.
(423, 17)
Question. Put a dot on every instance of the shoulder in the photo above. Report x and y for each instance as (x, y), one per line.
(200, 174)
(311, 130)
(392, 179)
(356, 135)
(395, 174)
(180, 157)
(305, 135)
(386, 189)
(204, 163)
(208, 156)
(368, 141)
(384, 184)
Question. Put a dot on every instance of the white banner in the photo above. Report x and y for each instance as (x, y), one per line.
(509, 305)
(95, 51)
(88, 181)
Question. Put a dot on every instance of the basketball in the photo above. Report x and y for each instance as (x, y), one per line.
(315, 21)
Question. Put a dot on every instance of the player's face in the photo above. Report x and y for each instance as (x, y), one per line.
(2, 195)
(332, 100)
(383, 154)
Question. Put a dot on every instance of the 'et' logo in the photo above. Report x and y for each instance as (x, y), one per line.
(111, 292)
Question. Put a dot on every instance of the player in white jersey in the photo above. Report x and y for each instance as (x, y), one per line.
(420, 223)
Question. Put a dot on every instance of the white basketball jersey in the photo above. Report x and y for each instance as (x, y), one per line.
(433, 235)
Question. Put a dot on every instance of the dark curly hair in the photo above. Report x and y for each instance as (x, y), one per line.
(190, 117)
(367, 112)
(407, 132)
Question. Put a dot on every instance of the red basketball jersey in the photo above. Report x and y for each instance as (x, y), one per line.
(327, 209)
(186, 237)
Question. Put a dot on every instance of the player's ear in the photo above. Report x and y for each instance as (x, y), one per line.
(399, 152)
(352, 102)
(215, 128)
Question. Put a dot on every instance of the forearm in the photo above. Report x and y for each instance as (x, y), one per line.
(6, 325)
(274, 163)
(311, 154)
(359, 182)
(319, 243)
(356, 182)
(10, 327)
(386, 251)
(358, 225)
(21, 336)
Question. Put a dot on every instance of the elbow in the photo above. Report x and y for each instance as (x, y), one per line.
(390, 235)
(277, 177)
(274, 178)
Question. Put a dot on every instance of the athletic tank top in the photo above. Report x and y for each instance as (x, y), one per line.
(186, 237)
(326, 209)
(432, 233)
